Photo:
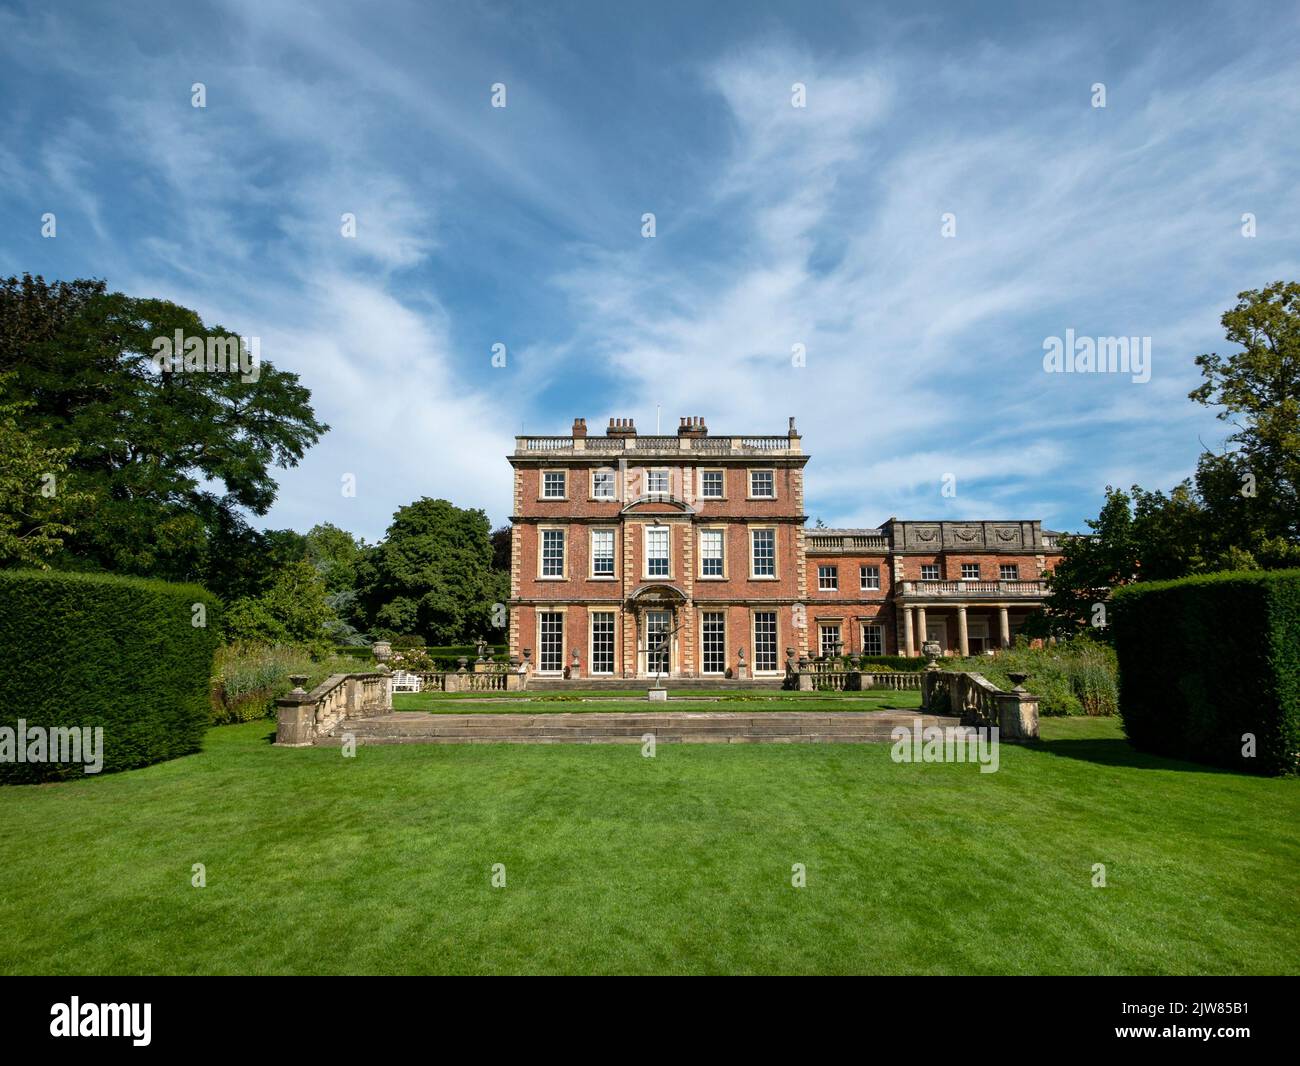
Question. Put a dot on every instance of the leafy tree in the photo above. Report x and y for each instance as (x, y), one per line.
(1259, 391)
(501, 549)
(292, 611)
(1241, 511)
(432, 575)
(32, 502)
(162, 459)
(335, 553)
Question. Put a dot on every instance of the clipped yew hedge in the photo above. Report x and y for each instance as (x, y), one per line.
(98, 650)
(1205, 660)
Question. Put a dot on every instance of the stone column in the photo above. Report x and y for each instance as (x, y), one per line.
(963, 645)
(1004, 627)
(921, 634)
(909, 643)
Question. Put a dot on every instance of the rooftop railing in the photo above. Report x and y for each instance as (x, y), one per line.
(774, 446)
(856, 542)
(976, 589)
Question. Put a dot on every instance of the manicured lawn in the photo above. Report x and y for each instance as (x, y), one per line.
(681, 863)
(578, 703)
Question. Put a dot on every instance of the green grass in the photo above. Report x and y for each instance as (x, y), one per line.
(578, 703)
(681, 863)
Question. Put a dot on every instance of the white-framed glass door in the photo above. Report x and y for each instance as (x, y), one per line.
(655, 627)
(550, 658)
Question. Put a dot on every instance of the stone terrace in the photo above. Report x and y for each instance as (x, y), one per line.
(598, 727)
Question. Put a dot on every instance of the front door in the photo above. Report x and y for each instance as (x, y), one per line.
(656, 633)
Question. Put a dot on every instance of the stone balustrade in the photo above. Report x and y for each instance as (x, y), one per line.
(978, 702)
(769, 446)
(1031, 589)
(302, 716)
(498, 679)
(843, 674)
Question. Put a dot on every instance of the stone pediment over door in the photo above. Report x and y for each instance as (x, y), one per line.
(658, 505)
(657, 594)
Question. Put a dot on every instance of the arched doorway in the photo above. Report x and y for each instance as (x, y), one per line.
(657, 611)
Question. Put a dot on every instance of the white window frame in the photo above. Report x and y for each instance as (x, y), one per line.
(613, 553)
(866, 577)
(564, 629)
(968, 577)
(563, 475)
(770, 471)
(753, 641)
(591, 642)
(931, 566)
(721, 533)
(1004, 567)
(753, 571)
(541, 553)
(828, 577)
(613, 483)
(667, 532)
(722, 486)
(703, 650)
(655, 472)
(822, 629)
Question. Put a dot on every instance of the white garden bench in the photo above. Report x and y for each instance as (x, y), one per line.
(404, 682)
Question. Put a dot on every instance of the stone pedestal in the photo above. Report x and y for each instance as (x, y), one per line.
(657, 695)
(295, 716)
(1018, 715)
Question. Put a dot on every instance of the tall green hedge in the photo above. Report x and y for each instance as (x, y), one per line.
(97, 650)
(1205, 660)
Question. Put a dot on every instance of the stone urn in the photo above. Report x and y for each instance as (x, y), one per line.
(931, 650)
(298, 681)
(382, 649)
(1018, 681)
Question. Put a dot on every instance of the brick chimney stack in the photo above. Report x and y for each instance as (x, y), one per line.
(579, 427)
(693, 426)
(621, 427)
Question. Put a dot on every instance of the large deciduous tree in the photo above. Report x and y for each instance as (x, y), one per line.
(1258, 389)
(1242, 508)
(162, 460)
(432, 575)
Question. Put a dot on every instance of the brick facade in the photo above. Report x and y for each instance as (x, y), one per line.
(689, 554)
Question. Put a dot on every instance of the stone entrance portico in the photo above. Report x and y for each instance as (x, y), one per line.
(655, 611)
(960, 629)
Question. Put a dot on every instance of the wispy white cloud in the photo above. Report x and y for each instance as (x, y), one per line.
(777, 226)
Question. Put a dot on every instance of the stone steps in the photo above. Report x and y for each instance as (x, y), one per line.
(644, 684)
(684, 727)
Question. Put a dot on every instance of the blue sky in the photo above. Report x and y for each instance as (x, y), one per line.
(776, 225)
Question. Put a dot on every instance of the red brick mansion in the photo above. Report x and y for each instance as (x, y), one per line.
(687, 555)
